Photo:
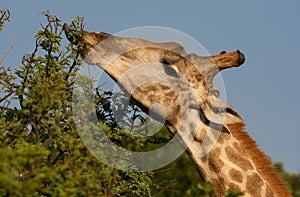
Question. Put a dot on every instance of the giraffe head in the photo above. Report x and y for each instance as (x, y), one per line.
(162, 77)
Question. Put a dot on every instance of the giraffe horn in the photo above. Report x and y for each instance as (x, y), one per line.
(212, 65)
(226, 60)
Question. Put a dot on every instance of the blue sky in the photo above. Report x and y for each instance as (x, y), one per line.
(265, 90)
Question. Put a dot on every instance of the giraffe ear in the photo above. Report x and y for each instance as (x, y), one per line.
(221, 113)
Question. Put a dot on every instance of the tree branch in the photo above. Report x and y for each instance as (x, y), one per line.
(9, 50)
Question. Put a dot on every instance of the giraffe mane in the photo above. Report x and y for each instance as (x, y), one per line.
(260, 160)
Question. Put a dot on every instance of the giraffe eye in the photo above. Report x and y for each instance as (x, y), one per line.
(170, 70)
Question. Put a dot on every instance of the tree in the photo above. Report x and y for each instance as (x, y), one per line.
(40, 151)
(292, 179)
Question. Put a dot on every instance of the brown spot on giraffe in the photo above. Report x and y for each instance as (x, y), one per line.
(238, 159)
(236, 175)
(204, 159)
(233, 186)
(254, 185)
(170, 94)
(219, 186)
(174, 120)
(215, 163)
(237, 147)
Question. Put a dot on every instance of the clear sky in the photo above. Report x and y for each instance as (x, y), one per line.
(265, 90)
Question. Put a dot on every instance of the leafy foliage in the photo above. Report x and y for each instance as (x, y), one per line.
(292, 179)
(4, 16)
(41, 152)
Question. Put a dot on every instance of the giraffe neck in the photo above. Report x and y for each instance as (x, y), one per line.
(234, 161)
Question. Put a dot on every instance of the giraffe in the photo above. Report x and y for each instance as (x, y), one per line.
(193, 111)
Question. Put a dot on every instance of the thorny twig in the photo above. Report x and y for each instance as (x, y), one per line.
(8, 51)
(5, 15)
